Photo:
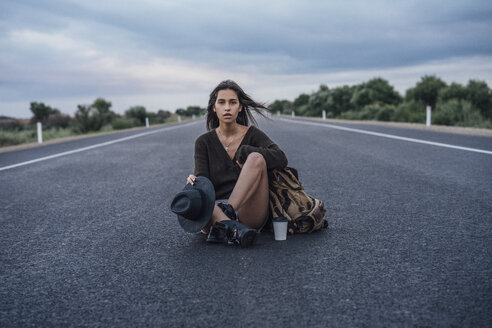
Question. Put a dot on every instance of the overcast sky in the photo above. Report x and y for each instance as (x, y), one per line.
(171, 54)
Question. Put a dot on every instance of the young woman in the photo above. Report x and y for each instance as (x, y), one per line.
(236, 157)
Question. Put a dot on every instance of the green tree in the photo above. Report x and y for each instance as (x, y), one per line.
(181, 112)
(301, 100)
(88, 119)
(93, 117)
(382, 92)
(195, 110)
(452, 91)
(103, 108)
(376, 90)
(282, 106)
(480, 96)
(410, 111)
(41, 112)
(339, 100)
(427, 90)
(361, 98)
(457, 112)
(318, 101)
(163, 114)
(137, 112)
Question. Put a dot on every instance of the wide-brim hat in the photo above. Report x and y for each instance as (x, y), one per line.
(194, 205)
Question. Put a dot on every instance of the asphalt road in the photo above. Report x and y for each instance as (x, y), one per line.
(87, 239)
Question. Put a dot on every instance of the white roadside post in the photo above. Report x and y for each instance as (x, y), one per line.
(324, 114)
(193, 116)
(293, 114)
(428, 116)
(179, 118)
(146, 122)
(278, 113)
(40, 132)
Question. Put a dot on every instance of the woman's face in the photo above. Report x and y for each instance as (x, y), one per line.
(227, 106)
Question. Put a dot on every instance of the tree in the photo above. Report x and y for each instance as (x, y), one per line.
(195, 110)
(318, 101)
(303, 99)
(87, 119)
(181, 112)
(480, 96)
(382, 92)
(41, 112)
(137, 112)
(339, 100)
(361, 97)
(93, 117)
(427, 90)
(457, 112)
(452, 91)
(376, 90)
(103, 108)
(410, 111)
(163, 114)
(280, 106)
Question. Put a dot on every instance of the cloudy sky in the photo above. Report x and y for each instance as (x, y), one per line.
(171, 54)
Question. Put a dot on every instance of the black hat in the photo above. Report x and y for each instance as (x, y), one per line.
(195, 205)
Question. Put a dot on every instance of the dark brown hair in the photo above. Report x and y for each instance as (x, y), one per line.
(247, 105)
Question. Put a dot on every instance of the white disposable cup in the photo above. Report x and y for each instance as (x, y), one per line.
(280, 228)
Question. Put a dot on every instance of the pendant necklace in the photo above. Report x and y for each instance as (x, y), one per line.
(227, 146)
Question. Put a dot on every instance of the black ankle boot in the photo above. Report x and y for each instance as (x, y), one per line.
(228, 211)
(216, 235)
(237, 233)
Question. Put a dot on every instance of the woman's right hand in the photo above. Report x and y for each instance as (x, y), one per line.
(191, 179)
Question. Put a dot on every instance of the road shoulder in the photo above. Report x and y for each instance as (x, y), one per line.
(416, 126)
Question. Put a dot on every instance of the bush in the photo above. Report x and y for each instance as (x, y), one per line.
(369, 112)
(458, 112)
(93, 117)
(58, 120)
(412, 112)
(385, 113)
(120, 124)
(88, 119)
(55, 133)
(137, 112)
(163, 114)
(10, 138)
(11, 125)
(350, 115)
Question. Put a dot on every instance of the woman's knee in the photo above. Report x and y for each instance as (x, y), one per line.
(256, 159)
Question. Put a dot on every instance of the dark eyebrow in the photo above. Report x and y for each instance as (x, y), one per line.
(235, 99)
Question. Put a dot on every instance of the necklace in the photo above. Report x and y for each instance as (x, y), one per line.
(227, 146)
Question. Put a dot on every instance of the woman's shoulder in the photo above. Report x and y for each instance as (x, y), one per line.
(255, 131)
(206, 137)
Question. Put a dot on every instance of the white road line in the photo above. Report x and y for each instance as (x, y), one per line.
(96, 146)
(384, 135)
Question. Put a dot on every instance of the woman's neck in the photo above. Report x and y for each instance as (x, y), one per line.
(228, 130)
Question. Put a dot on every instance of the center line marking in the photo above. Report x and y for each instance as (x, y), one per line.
(390, 136)
(95, 146)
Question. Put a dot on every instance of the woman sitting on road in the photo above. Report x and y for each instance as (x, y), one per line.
(235, 157)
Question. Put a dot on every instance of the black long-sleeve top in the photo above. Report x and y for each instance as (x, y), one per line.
(213, 162)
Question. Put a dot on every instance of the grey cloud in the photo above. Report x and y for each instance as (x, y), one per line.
(271, 37)
(317, 35)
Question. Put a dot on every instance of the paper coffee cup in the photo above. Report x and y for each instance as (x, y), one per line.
(280, 228)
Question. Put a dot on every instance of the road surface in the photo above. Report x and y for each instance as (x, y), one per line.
(87, 237)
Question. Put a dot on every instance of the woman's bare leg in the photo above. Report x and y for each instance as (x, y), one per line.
(250, 194)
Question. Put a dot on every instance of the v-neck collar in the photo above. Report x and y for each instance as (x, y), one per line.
(233, 160)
